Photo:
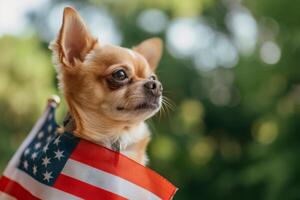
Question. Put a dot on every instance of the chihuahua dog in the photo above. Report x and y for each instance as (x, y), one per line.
(110, 91)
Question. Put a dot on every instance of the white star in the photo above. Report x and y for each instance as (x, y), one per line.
(49, 138)
(33, 156)
(26, 151)
(47, 176)
(34, 169)
(57, 140)
(37, 145)
(40, 135)
(25, 164)
(46, 161)
(58, 154)
(49, 128)
(45, 148)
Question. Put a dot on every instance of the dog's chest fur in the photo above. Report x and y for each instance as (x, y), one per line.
(133, 143)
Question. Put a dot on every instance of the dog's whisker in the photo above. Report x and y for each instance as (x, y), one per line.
(167, 102)
(167, 108)
(164, 110)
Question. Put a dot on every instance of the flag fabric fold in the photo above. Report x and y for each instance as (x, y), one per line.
(55, 166)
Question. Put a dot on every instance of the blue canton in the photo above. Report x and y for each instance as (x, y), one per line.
(47, 154)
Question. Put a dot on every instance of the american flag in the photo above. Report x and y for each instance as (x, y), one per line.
(56, 166)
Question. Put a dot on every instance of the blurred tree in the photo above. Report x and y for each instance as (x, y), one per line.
(26, 79)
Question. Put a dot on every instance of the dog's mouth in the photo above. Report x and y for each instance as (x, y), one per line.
(146, 105)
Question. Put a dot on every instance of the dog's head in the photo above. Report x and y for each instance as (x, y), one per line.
(105, 85)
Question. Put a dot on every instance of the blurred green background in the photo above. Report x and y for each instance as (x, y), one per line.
(230, 67)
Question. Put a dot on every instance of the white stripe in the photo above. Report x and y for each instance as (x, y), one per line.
(106, 181)
(4, 196)
(38, 189)
(13, 163)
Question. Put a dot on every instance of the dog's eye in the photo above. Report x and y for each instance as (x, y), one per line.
(119, 75)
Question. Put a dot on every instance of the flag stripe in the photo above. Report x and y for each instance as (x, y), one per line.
(15, 189)
(83, 190)
(106, 181)
(119, 165)
(5, 196)
(36, 188)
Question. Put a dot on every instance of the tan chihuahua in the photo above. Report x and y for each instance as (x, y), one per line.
(110, 90)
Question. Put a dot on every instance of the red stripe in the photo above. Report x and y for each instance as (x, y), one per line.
(122, 166)
(14, 189)
(83, 190)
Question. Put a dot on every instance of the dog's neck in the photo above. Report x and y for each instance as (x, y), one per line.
(117, 138)
(70, 126)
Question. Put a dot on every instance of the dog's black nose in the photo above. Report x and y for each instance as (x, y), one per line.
(154, 87)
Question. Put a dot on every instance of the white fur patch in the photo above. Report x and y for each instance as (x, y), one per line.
(132, 53)
(133, 136)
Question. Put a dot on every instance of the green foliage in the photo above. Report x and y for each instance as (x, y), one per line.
(26, 79)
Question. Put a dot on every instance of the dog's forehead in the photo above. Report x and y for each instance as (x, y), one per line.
(110, 55)
(132, 53)
(141, 65)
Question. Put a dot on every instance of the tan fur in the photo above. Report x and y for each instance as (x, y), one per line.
(84, 65)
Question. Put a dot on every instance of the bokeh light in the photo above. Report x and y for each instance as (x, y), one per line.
(202, 151)
(153, 21)
(270, 52)
(243, 28)
(266, 132)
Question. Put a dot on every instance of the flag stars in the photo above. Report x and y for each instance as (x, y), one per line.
(34, 169)
(27, 151)
(57, 140)
(49, 128)
(49, 138)
(33, 156)
(47, 176)
(45, 148)
(58, 154)
(37, 145)
(25, 164)
(40, 135)
(46, 161)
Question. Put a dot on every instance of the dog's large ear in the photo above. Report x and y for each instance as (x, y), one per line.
(74, 39)
(151, 49)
